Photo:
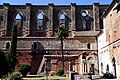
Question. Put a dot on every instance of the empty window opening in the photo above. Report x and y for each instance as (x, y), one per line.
(34, 45)
(40, 16)
(7, 45)
(62, 17)
(18, 17)
(40, 22)
(88, 45)
(19, 22)
(84, 13)
(107, 68)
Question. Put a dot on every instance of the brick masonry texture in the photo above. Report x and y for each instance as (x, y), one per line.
(80, 33)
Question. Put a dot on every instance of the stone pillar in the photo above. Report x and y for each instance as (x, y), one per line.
(82, 68)
(73, 67)
(80, 64)
(96, 17)
(5, 19)
(73, 16)
(51, 20)
(26, 27)
(69, 66)
(53, 65)
(88, 68)
(73, 19)
(76, 63)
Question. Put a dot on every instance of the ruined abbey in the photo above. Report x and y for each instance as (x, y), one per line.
(37, 44)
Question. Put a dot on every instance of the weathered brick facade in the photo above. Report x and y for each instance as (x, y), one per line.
(110, 38)
(82, 23)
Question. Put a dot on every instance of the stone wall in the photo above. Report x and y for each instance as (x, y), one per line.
(73, 15)
(111, 40)
(82, 24)
(54, 44)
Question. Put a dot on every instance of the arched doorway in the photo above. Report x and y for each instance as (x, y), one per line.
(114, 66)
(102, 68)
(66, 66)
(84, 64)
(91, 64)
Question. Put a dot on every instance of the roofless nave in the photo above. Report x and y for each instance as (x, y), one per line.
(37, 25)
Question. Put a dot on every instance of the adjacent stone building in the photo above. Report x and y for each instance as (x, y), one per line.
(109, 41)
(37, 44)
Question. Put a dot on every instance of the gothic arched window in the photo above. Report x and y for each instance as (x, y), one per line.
(84, 22)
(62, 19)
(40, 16)
(18, 17)
(40, 22)
(19, 22)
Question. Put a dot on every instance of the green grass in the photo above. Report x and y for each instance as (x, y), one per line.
(47, 78)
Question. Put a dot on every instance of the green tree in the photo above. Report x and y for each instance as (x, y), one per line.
(11, 57)
(59, 72)
(61, 34)
(3, 64)
(15, 76)
(24, 69)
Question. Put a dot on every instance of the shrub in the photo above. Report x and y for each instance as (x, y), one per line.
(3, 64)
(24, 69)
(15, 76)
(59, 72)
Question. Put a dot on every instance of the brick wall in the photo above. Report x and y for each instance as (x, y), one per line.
(77, 39)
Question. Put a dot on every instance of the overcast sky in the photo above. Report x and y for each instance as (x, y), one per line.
(56, 2)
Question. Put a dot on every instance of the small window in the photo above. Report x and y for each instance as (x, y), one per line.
(40, 16)
(62, 17)
(18, 17)
(34, 45)
(107, 70)
(101, 67)
(88, 45)
(7, 45)
(84, 13)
